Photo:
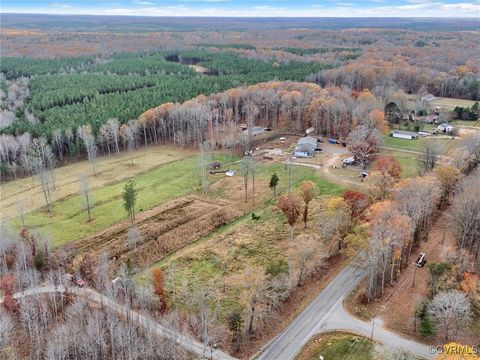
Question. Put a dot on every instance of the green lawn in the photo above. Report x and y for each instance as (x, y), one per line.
(409, 162)
(475, 123)
(451, 103)
(405, 144)
(68, 221)
(299, 174)
(337, 346)
(445, 143)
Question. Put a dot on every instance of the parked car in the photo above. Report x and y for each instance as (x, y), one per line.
(348, 161)
(422, 260)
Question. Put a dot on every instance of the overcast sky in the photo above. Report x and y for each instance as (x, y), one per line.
(249, 8)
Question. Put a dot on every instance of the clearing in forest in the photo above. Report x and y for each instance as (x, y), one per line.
(110, 169)
(68, 220)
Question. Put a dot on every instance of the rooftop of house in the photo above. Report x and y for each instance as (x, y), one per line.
(428, 97)
(307, 140)
(404, 132)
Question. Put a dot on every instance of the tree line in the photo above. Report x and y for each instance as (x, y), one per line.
(217, 119)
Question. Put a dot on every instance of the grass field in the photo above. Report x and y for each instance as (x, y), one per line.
(110, 169)
(404, 144)
(450, 103)
(234, 257)
(68, 221)
(445, 143)
(337, 346)
(409, 162)
(474, 123)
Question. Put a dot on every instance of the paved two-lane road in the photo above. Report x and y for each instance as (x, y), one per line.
(289, 342)
(326, 313)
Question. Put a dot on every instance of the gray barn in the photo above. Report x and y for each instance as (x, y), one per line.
(305, 147)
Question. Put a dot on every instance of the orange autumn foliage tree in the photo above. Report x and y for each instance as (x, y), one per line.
(290, 206)
(307, 191)
(158, 287)
(357, 202)
(448, 176)
(388, 165)
(378, 118)
(387, 172)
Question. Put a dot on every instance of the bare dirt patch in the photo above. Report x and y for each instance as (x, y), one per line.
(164, 229)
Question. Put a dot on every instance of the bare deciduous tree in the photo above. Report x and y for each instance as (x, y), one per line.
(38, 158)
(85, 133)
(88, 201)
(363, 142)
(430, 153)
(450, 311)
(134, 237)
(307, 191)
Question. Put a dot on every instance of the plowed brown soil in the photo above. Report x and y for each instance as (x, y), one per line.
(164, 230)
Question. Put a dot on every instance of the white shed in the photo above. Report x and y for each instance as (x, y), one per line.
(401, 134)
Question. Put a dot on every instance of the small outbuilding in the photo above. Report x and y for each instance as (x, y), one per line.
(402, 134)
(427, 98)
(256, 130)
(445, 127)
(306, 147)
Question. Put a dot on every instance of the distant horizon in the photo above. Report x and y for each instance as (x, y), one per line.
(249, 17)
(250, 8)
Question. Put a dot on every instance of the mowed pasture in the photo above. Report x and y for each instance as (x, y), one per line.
(69, 222)
(27, 192)
(451, 103)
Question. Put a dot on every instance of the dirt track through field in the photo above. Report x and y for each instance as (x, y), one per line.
(164, 230)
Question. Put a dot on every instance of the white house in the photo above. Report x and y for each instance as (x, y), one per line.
(402, 134)
(445, 127)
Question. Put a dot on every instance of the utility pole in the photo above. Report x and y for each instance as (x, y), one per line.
(414, 274)
(290, 163)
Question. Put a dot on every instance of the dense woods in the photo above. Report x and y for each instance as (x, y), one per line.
(90, 91)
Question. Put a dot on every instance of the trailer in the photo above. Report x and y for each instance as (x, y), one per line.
(332, 141)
